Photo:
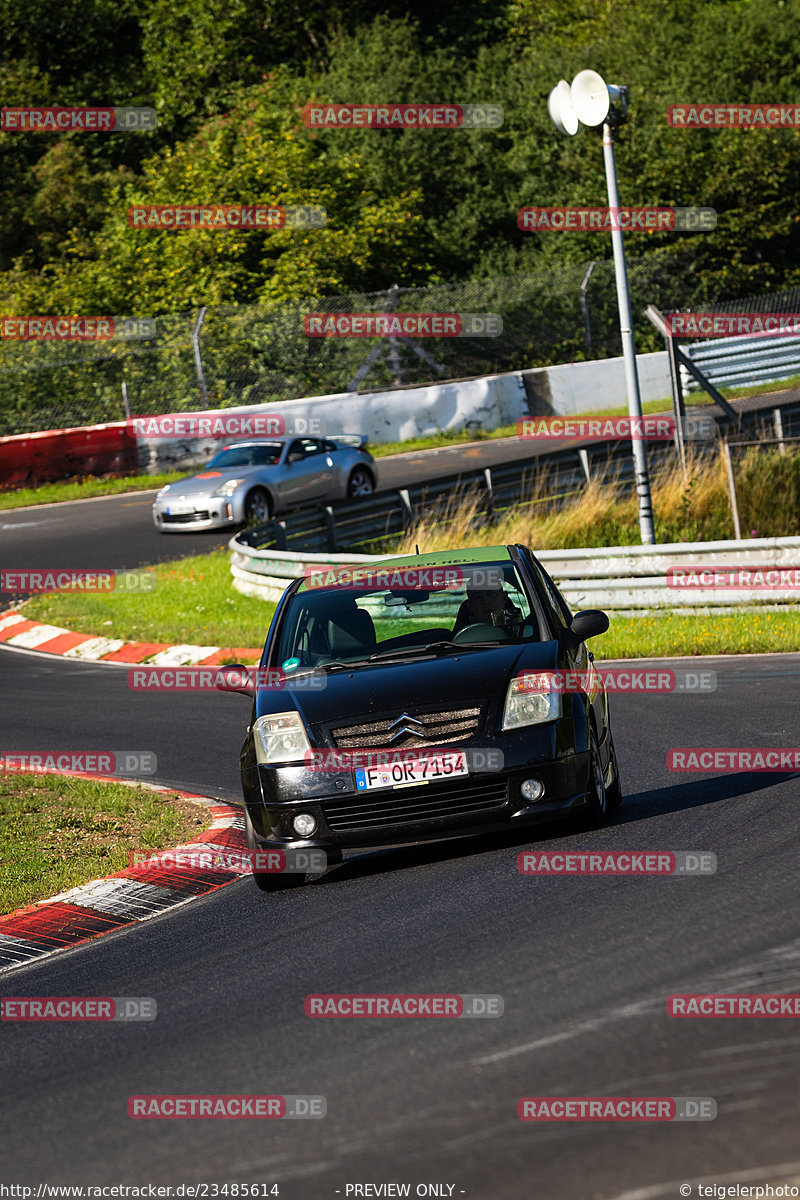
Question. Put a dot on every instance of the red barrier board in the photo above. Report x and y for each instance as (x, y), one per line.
(30, 458)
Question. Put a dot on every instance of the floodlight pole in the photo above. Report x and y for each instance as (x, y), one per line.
(646, 527)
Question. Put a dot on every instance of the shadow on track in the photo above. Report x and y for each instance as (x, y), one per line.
(658, 802)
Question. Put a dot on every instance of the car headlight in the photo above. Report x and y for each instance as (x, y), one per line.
(280, 738)
(227, 488)
(530, 704)
(163, 492)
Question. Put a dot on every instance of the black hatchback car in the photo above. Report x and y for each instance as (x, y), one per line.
(420, 698)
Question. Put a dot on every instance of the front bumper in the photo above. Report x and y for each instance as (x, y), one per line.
(206, 512)
(483, 802)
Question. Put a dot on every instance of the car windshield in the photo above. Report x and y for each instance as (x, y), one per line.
(396, 613)
(263, 455)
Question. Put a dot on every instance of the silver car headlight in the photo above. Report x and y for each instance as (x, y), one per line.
(280, 738)
(227, 488)
(530, 704)
(163, 492)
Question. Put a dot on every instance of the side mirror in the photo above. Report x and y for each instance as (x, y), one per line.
(236, 678)
(588, 624)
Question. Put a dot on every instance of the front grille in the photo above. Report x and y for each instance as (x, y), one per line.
(440, 726)
(185, 518)
(409, 806)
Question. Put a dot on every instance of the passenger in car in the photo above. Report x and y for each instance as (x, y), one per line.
(487, 606)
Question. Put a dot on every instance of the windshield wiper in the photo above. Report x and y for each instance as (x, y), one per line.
(432, 648)
(403, 652)
(341, 666)
(412, 651)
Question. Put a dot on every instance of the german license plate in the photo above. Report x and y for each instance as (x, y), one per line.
(407, 773)
(178, 507)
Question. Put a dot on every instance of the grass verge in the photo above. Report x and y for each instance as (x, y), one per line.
(58, 832)
(662, 635)
(193, 601)
(84, 489)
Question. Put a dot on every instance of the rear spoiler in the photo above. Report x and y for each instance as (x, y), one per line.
(358, 440)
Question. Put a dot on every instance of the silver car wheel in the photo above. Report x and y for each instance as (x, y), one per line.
(257, 506)
(360, 484)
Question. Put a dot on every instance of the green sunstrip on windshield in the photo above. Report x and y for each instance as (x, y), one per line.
(440, 558)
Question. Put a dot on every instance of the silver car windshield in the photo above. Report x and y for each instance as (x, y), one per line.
(264, 455)
(479, 606)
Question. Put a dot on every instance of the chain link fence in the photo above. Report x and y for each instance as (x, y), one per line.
(256, 354)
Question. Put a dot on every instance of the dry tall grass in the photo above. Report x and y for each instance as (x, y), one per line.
(768, 487)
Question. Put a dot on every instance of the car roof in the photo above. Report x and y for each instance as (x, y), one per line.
(446, 558)
(438, 558)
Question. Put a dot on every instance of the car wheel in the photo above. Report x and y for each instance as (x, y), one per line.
(597, 795)
(257, 507)
(360, 483)
(268, 881)
(614, 790)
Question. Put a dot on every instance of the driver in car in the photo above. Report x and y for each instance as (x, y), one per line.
(487, 606)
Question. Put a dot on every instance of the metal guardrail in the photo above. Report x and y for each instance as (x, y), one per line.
(613, 577)
(738, 361)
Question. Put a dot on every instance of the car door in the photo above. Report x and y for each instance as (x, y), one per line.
(580, 657)
(307, 472)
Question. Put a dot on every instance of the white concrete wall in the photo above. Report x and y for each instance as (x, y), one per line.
(590, 386)
(395, 416)
(391, 416)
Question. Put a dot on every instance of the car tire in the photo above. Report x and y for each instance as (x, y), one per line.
(360, 484)
(614, 790)
(268, 881)
(597, 794)
(257, 507)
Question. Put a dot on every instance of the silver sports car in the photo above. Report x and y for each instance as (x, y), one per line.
(251, 481)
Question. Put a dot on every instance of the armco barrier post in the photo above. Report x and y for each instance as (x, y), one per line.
(737, 528)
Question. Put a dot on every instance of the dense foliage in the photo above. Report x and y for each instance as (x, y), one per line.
(229, 81)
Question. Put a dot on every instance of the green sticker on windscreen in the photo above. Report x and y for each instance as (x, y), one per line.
(291, 664)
